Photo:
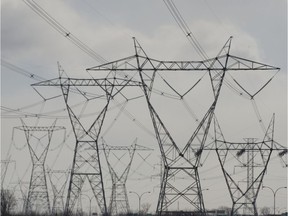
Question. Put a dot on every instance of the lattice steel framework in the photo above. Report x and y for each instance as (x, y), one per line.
(58, 180)
(38, 199)
(86, 161)
(251, 155)
(119, 203)
(182, 163)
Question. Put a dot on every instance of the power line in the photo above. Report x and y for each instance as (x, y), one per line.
(63, 31)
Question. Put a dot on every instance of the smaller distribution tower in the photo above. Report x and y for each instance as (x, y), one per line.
(38, 139)
(119, 199)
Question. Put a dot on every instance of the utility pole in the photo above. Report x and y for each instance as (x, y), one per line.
(38, 192)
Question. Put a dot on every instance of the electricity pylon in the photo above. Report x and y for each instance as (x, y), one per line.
(119, 203)
(38, 199)
(58, 180)
(180, 163)
(86, 161)
(251, 155)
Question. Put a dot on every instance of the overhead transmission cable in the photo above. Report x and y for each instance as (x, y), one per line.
(20, 70)
(185, 29)
(63, 31)
(33, 76)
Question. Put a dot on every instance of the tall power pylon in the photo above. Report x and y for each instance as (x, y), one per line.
(86, 161)
(251, 155)
(38, 140)
(181, 163)
(58, 180)
(119, 203)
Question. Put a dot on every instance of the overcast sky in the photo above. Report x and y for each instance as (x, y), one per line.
(259, 30)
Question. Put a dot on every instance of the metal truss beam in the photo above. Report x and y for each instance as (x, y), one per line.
(149, 64)
(65, 81)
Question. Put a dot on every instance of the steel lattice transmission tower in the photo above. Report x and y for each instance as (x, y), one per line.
(86, 161)
(58, 180)
(38, 140)
(251, 155)
(119, 203)
(181, 163)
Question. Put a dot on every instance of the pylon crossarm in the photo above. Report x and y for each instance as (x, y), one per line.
(214, 64)
(125, 148)
(238, 63)
(150, 64)
(40, 128)
(225, 145)
(63, 81)
(123, 63)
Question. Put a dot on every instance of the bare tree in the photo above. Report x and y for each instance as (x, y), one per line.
(226, 209)
(145, 208)
(265, 211)
(8, 202)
